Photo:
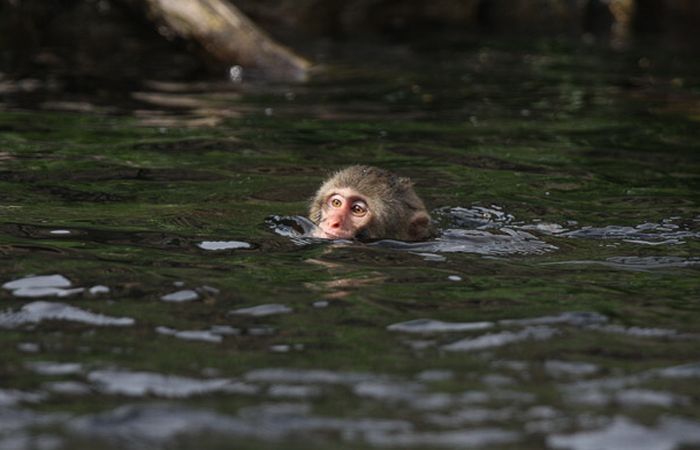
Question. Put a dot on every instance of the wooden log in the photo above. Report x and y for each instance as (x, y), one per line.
(228, 36)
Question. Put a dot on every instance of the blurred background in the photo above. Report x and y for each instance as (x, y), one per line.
(119, 39)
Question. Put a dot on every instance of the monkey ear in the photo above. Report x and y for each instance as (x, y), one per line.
(419, 227)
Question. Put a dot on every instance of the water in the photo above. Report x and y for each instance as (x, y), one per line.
(158, 289)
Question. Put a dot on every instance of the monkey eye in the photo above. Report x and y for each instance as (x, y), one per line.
(359, 209)
(336, 201)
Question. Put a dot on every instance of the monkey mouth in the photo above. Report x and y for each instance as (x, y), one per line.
(323, 234)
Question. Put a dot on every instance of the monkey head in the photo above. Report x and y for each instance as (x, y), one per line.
(367, 203)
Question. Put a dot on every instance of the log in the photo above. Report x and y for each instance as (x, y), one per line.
(228, 36)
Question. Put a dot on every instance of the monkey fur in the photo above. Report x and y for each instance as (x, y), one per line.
(396, 211)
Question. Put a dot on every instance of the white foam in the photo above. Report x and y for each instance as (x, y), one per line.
(67, 388)
(293, 391)
(53, 368)
(646, 397)
(493, 340)
(223, 245)
(191, 335)
(622, 433)
(42, 286)
(42, 281)
(263, 310)
(476, 438)
(32, 292)
(576, 318)
(11, 397)
(60, 232)
(185, 295)
(691, 370)
(140, 384)
(437, 326)
(570, 368)
(99, 289)
(36, 312)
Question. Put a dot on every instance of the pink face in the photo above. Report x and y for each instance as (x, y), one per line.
(344, 213)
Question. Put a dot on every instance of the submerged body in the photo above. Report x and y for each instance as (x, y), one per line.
(366, 203)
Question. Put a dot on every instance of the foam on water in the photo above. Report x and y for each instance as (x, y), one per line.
(294, 391)
(36, 282)
(53, 368)
(67, 388)
(602, 391)
(622, 433)
(42, 286)
(223, 245)
(576, 318)
(472, 416)
(99, 289)
(308, 376)
(60, 232)
(37, 312)
(11, 397)
(570, 368)
(262, 310)
(140, 384)
(437, 326)
(191, 335)
(493, 340)
(647, 397)
(476, 438)
(185, 295)
(156, 425)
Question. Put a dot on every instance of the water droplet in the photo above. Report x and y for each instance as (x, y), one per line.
(235, 74)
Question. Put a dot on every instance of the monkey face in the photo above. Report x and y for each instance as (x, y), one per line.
(345, 212)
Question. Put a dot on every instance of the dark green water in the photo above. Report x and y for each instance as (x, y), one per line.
(560, 307)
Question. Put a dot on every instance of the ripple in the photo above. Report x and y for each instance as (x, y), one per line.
(494, 340)
(637, 263)
(437, 326)
(502, 243)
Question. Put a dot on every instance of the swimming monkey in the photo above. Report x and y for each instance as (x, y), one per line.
(366, 203)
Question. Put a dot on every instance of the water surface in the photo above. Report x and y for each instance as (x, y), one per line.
(157, 291)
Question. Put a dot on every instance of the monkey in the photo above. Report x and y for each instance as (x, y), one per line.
(368, 203)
